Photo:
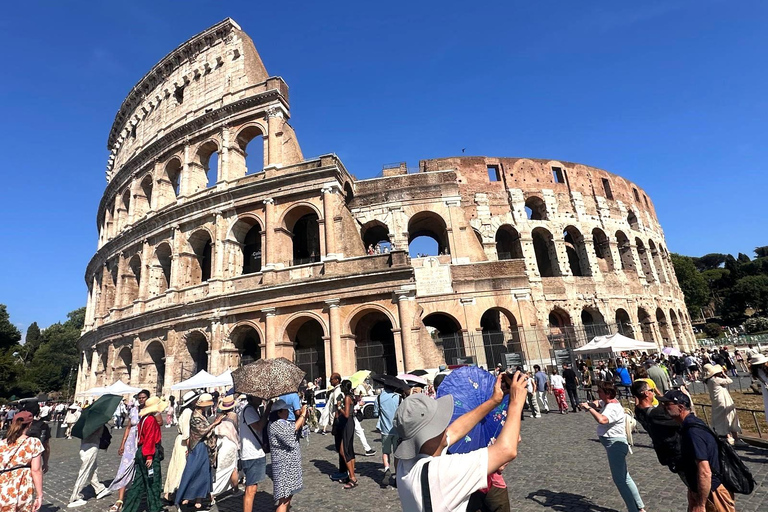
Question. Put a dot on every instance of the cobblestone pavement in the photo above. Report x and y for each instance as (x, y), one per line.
(560, 467)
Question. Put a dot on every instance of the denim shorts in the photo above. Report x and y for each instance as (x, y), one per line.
(255, 470)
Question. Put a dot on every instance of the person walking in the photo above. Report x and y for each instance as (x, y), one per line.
(533, 403)
(170, 412)
(179, 455)
(345, 433)
(725, 421)
(385, 408)
(542, 386)
(571, 386)
(252, 456)
(662, 429)
(609, 414)
(73, 414)
(21, 467)
(227, 449)
(328, 414)
(89, 453)
(127, 451)
(700, 460)
(758, 364)
(197, 479)
(286, 453)
(558, 389)
(40, 430)
(147, 478)
(659, 376)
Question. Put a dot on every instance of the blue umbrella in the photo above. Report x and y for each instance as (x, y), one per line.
(470, 386)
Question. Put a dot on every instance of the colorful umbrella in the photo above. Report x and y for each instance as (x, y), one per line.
(392, 382)
(413, 380)
(268, 378)
(359, 377)
(671, 351)
(470, 386)
(96, 415)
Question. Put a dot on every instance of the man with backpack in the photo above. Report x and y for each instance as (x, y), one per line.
(662, 429)
(700, 458)
(253, 447)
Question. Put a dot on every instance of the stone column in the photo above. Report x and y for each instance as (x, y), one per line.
(121, 263)
(224, 176)
(451, 228)
(136, 363)
(146, 269)
(405, 301)
(337, 360)
(94, 365)
(561, 256)
(214, 349)
(274, 142)
(176, 274)
(269, 331)
(168, 377)
(269, 234)
(329, 200)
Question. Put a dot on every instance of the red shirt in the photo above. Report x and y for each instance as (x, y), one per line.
(149, 435)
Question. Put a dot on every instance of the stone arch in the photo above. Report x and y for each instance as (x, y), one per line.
(248, 233)
(154, 367)
(376, 234)
(302, 221)
(645, 261)
(132, 279)
(500, 335)
(143, 203)
(247, 339)
(201, 263)
(374, 340)
(535, 208)
(160, 273)
(172, 180)
(657, 262)
(624, 323)
(508, 246)
(546, 254)
(561, 333)
(646, 324)
(252, 147)
(431, 225)
(602, 249)
(446, 332)
(124, 361)
(576, 251)
(661, 321)
(625, 252)
(306, 333)
(207, 158)
(675, 326)
(632, 220)
(196, 355)
(125, 207)
(593, 322)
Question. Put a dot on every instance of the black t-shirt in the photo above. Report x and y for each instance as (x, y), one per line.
(571, 381)
(40, 430)
(697, 445)
(664, 433)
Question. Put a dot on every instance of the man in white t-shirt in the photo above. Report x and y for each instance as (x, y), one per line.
(425, 430)
(252, 456)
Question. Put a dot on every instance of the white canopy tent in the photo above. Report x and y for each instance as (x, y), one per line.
(614, 343)
(225, 379)
(98, 391)
(202, 379)
(121, 388)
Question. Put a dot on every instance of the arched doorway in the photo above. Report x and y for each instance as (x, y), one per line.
(252, 250)
(124, 362)
(508, 245)
(307, 334)
(594, 323)
(546, 256)
(247, 341)
(375, 343)
(646, 325)
(560, 329)
(624, 323)
(305, 234)
(155, 370)
(427, 235)
(376, 237)
(446, 333)
(500, 336)
(197, 348)
(661, 321)
(574, 249)
(602, 250)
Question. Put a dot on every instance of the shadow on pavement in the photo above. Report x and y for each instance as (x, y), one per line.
(566, 502)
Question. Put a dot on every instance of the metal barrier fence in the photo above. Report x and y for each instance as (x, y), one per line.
(744, 339)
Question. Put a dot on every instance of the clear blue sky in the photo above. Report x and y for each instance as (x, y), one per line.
(670, 94)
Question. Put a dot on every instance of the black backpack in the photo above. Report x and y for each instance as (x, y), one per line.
(734, 474)
(106, 438)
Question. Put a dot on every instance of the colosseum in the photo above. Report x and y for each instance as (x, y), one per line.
(220, 243)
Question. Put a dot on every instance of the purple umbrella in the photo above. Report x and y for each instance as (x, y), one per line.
(470, 386)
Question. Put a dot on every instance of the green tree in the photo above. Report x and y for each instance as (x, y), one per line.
(713, 330)
(32, 341)
(748, 292)
(57, 355)
(761, 252)
(692, 283)
(9, 333)
(710, 261)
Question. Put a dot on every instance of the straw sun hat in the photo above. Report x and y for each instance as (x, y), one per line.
(205, 400)
(711, 370)
(153, 405)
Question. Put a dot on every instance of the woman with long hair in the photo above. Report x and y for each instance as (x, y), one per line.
(21, 467)
(197, 480)
(286, 453)
(179, 455)
(344, 435)
(127, 451)
(609, 415)
(227, 448)
(725, 421)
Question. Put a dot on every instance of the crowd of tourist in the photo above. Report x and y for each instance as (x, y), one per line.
(223, 440)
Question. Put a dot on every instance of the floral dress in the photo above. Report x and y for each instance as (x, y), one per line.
(17, 491)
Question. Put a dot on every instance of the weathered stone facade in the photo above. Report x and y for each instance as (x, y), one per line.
(220, 243)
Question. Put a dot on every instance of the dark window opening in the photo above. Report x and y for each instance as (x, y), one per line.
(637, 196)
(252, 251)
(205, 262)
(607, 189)
(646, 201)
(493, 173)
(306, 240)
(557, 174)
(133, 131)
(179, 95)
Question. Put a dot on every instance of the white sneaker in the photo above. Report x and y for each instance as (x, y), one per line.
(106, 492)
(76, 503)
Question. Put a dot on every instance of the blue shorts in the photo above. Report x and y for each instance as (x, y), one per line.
(255, 470)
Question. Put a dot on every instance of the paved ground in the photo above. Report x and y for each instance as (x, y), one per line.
(560, 467)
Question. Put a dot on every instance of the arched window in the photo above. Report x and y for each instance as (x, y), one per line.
(376, 237)
(657, 262)
(594, 323)
(535, 208)
(207, 164)
(508, 245)
(625, 251)
(124, 361)
(247, 341)
(561, 333)
(500, 336)
(306, 240)
(602, 250)
(646, 324)
(349, 194)
(132, 280)
(632, 220)
(574, 248)
(251, 142)
(200, 268)
(197, 355)
(661, 320)
(676, 326)
(125, 207)
(144, 201)
(446, 333)
(306, 336)
(252, 250)
(155, 370)
(624, 323)
(645, 261)
(546, 256)
(375, 343)
(173, 175)
(161, 270)
(427, 235)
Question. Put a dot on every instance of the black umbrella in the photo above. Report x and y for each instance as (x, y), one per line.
(419, 373)
(391, 381)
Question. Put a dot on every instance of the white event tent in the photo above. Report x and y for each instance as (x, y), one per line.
(614, 343)
(201, 379)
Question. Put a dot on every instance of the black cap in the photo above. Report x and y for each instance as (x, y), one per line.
(676, 396)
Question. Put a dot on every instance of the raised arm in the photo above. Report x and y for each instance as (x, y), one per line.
(505, 447)
(467, 421)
